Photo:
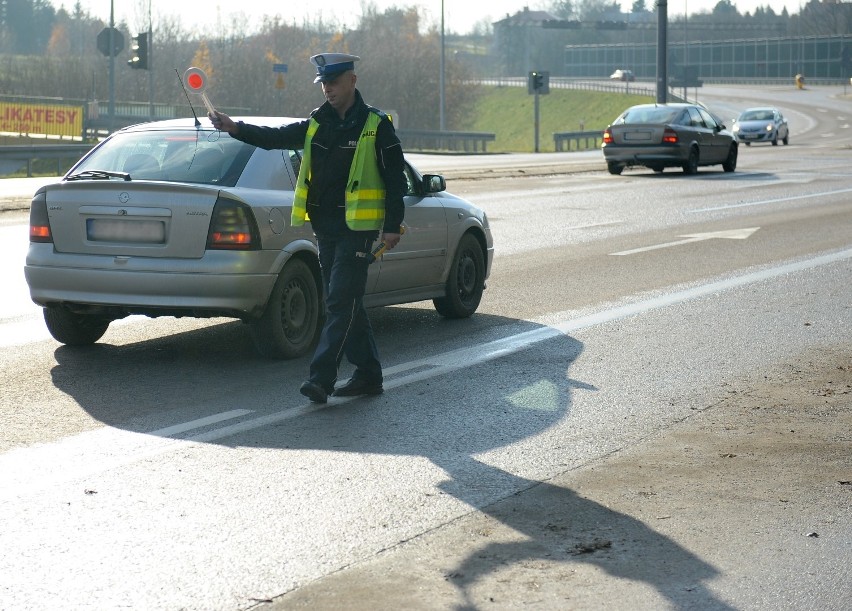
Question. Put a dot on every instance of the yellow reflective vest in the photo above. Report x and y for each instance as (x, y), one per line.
(365, 189)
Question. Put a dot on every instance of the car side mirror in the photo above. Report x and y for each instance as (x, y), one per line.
(434, 183)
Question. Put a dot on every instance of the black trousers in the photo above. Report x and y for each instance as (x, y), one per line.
(344, 260)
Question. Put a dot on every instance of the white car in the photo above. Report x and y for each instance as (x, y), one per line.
(623, 75)
(175, 218)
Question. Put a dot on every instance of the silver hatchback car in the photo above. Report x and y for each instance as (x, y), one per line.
(764, 124)
(174, 218)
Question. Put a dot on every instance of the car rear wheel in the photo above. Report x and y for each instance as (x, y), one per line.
(786, 139)
(614, 168)
(730, 163)
(291, 322)
(691, 165)
(465, 282)
(74, 329)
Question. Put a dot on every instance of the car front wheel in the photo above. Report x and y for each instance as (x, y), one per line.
(730, 163)
(291, 321)
(465, 282)
(74, 329)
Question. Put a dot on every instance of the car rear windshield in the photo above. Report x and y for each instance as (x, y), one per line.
(649, 114)
(196, 156)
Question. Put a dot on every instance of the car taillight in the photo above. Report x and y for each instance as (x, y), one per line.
(39, 221)
(607, 137)
(232, 227)
(670, 136)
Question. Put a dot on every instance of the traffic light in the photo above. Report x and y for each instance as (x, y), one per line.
(539, 82)
(139, 52)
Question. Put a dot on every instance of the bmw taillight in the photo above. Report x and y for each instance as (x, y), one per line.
(39, 221)
(607, 137)
(232, 227)
(669, 136)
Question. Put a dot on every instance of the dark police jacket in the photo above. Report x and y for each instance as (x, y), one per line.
(332, 151)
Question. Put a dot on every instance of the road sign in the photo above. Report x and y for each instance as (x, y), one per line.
(117, 42)
(279, 67)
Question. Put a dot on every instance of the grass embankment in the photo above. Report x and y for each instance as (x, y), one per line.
(509, 112)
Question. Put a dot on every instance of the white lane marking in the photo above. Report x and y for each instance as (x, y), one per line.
(765, 202)
(44, 465)
(730, 234)
(34, 467)
(593, 225)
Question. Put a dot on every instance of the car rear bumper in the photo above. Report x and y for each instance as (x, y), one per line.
(199, 287)
(665, 155)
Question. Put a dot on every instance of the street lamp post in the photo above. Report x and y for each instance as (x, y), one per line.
(111, 64)
(441, 86)
(150, 65)
(685, 53)
(662, 45)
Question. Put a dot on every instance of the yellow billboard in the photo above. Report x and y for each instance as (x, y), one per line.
(48, 119)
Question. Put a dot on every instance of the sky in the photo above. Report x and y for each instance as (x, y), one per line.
(460, 16)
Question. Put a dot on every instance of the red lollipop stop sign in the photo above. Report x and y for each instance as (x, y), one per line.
(196, 80)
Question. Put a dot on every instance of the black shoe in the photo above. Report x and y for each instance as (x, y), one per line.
(355, 387)
(314, 392)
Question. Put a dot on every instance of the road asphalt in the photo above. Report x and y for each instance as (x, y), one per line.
(744, 505)
(696, 517)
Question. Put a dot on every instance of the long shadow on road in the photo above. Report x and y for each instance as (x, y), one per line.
(470, 430)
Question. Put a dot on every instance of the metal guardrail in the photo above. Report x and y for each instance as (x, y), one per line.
(13, 156)
(562, 140)
(581, 84)
(428, 140)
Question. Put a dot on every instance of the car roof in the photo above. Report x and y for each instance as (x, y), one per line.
(668, 105)
(189, 123)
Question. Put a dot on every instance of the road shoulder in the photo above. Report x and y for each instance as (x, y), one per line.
(743, 505)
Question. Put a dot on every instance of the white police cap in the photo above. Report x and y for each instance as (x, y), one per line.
(331, 65)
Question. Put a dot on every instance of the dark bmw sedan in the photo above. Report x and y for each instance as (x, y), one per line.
(659, 136)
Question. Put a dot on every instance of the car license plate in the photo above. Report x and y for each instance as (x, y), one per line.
(748, 136)
(637, 136)
(130, 230)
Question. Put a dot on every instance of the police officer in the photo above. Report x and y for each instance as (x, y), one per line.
(350, 186)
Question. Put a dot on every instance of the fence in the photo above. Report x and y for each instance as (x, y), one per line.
(15, 156)
(562, 140)
(426, 140)
(819, 58)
